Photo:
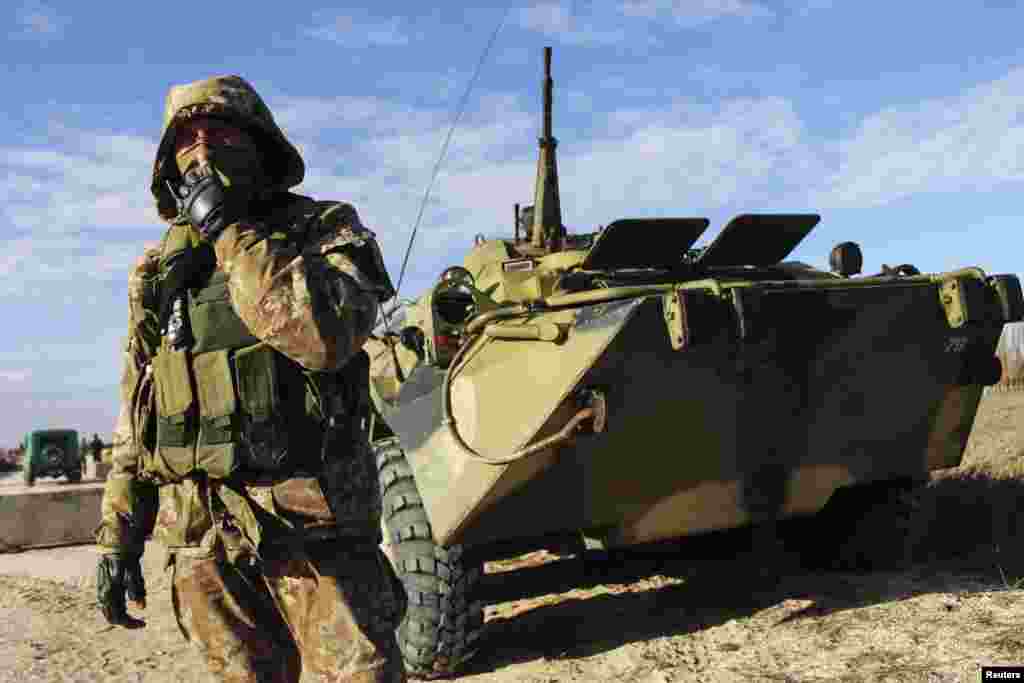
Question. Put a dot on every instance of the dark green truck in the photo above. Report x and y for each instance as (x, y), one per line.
(52, 453)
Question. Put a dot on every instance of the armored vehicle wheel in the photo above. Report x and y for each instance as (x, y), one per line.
(28, 475)
(443, 621)
(74, 476)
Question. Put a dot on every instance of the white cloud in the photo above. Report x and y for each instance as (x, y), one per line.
(352, 32)
(969, 141)
(579, 102)
(556, 20)
(302, 117)
(23, 256)
(80, 181)
(80, 178)
(31, 407)
(673, 161)
(15, 376)
(39, 22)
(546, 17)
(716, 81)
(680, 158)
(603, 25)
(669, 160)
(621, 86)
(73, 352)
(692, 13)
(385, 175)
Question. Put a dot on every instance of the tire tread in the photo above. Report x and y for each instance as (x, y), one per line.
(443, 621)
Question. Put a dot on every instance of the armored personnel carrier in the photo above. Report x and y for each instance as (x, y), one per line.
(621, 387)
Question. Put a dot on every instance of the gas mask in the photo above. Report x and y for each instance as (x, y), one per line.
(220, 178)
(238, 167)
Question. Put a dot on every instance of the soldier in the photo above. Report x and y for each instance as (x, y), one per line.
(240, 441)
(526, 222)
(96, 446)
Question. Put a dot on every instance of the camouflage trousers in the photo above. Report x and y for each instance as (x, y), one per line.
(327, 606)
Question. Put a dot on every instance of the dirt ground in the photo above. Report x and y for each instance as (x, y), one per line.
(707, 610)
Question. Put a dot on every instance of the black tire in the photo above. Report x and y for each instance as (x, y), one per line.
(28, 475)
(443, 620)
(74, 476)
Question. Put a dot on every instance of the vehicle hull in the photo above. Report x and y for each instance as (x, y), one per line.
(758, 416)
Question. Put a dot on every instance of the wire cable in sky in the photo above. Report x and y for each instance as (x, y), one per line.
(444, 148)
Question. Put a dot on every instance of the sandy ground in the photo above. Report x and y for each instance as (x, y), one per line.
(708, 610)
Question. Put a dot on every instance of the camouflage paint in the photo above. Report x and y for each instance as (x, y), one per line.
(840, 382)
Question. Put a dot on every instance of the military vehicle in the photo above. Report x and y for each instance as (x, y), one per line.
(51, 453)
(623, 387)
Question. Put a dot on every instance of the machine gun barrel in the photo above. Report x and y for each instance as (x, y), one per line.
(549, 86)
(547, 216)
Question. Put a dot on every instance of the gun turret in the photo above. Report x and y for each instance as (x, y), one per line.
(547, 209)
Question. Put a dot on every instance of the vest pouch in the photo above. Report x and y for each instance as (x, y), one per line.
(216, 451)
(215, 324)
(175, 422)
(264, 429)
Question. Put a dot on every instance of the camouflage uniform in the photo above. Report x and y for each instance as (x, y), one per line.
(270, 574)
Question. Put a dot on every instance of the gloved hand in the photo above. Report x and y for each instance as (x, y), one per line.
(203, 199)
(118, 576)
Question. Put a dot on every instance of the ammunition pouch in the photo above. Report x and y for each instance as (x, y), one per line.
(216, 453)
(172, 456)
(251, 413)
(231, 404)
(278, 433)
(214, 321)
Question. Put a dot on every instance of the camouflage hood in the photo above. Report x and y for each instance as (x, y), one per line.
(226, 97)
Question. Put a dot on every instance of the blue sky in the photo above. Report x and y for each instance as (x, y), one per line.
(901, 123)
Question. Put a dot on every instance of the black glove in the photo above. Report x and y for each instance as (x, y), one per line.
(203, 199)
(119, 576)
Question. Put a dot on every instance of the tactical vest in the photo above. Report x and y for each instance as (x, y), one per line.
(230, 404)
